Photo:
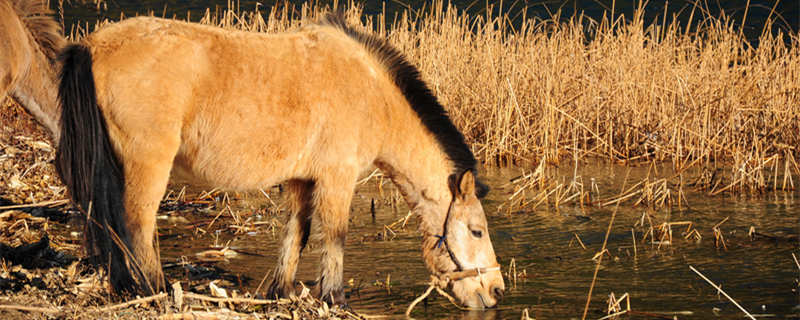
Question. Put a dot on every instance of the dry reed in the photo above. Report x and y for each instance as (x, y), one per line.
(700, 97)
(697, 96)
(618, 90)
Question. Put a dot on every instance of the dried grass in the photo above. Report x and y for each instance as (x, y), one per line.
(613, 89)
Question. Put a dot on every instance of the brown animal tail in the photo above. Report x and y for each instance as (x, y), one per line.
(89, 168)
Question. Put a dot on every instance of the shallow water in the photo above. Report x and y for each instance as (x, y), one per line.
(761, 275)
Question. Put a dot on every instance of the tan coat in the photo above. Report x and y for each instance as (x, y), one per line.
(312, 108)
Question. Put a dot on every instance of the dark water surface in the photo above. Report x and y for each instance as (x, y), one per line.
(786, 13)
(760, 274)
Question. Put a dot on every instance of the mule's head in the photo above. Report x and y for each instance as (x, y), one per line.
(462, 253)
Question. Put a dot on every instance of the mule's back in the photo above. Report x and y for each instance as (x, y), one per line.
(276, 106)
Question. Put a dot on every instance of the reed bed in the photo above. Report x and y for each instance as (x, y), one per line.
(615, 88)
(540, 93)
(551, 91)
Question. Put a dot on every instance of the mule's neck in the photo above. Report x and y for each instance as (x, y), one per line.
(37, 91)
(415, 162)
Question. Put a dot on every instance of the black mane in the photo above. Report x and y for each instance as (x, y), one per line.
(406, 76)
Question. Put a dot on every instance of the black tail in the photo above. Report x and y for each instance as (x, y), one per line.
(91, 171)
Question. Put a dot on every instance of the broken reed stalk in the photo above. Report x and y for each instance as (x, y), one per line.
(603, 249)
(616, 314)
(599, 261)
(723, 292)
(579, 241)
(29, 309)
(438, 284)
(418, 300)
(51, 203)
(155, 297)
(251, 301)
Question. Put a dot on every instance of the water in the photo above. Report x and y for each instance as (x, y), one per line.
(786, 13)
(759, 274)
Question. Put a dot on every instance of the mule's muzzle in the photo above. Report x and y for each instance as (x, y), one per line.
(478, 288)
(497, 292)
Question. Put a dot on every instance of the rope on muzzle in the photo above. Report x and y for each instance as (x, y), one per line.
(441, 282)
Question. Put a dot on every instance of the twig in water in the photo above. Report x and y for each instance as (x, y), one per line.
(525, 315)
(512, 270)
(614, 303)
(437, 284)
(723, 292)
(579, 241)
(418, 299)
(661, 315)
(602, 250)
(614, 315)
(633, 236)
(599, 261)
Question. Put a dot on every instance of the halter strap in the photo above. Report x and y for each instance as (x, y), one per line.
(440, 241)
(476, 272)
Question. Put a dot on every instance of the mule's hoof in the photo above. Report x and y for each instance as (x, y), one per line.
(277, 291)
(345, 307)
(334, 298)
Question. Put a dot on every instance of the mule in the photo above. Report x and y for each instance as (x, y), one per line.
(146, 98)
(30, 40)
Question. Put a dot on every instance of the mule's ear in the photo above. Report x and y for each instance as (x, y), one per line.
(452, 183)
(466, 185)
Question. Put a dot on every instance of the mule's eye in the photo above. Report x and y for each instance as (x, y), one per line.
(477, 233)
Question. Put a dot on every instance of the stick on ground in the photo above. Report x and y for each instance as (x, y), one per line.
(135, 301)
(29, 309)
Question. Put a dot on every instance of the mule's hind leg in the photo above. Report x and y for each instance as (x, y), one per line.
(295, 239)
(332, 199)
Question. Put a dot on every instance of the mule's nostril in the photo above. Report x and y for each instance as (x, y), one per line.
(498, 293)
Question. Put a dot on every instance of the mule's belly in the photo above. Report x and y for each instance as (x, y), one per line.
(241, 167)
(247, 146)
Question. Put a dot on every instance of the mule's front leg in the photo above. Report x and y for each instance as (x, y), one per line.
(146, 163)
(333, 207)
(295, 239)
(144, 188)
